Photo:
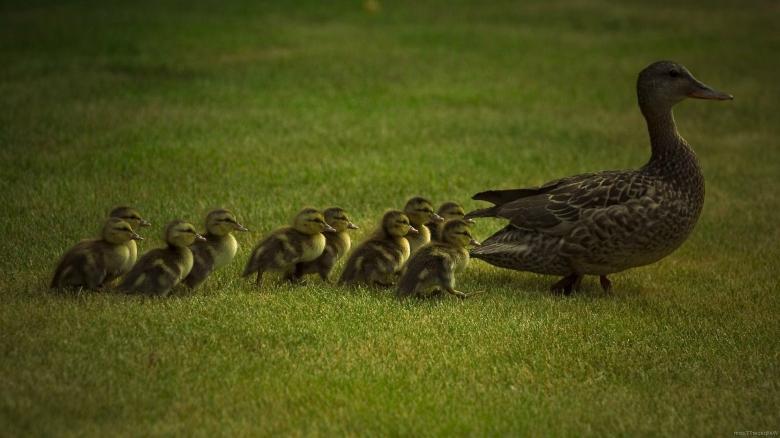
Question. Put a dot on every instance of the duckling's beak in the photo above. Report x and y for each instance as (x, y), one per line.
(352, 226)
(199, 237)
(437, 218)
(701, 91)
(329, 228)
(136, 236)
(145, 223)
(412, 230)
(474, 242)
(239, 227)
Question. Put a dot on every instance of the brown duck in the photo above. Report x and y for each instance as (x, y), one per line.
(606, 222)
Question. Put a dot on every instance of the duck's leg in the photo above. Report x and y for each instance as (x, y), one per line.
(605, 283)
(567, 284)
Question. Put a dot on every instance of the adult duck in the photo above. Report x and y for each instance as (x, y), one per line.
(606, 222)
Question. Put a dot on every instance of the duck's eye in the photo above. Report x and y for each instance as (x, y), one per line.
(674, 73)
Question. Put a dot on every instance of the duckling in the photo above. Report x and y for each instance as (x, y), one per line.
(448, 211)
(288, 246)
(161, 269)
(420, 212)
(337, 243)
(93, 263)
(378, 260)
(432, 269)
(217, 250)
(132, 217)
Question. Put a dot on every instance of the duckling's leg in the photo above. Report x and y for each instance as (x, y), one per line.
(259, 279)
(567, 284)
(605, 283)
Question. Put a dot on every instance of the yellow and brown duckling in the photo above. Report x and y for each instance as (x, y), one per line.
(281, 250)
(218, 248)
(161, 269)
(94, 263)
(337, 244)
(420, 212)
(378, 260)
(132, 217)
(432, 269)
(448, 211)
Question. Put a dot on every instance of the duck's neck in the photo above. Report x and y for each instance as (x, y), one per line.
(670, 152)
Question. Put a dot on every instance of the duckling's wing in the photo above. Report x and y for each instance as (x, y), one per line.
(559, 205)
(202, 264)
(429, 264)
(82, 265)
(147, 276)
(280, 248)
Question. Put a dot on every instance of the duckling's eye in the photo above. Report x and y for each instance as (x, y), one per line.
(674, 73)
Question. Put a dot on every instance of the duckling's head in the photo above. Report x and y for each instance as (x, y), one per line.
(311, 221)
(181, 234)
(664, 83)
(129, 215)
(453, 210)
(395, 223)
(458, 233)
(337, 218)
(222, 222)
(420, 211)
(117, 231)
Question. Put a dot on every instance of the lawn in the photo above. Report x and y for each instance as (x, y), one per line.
(265, 107)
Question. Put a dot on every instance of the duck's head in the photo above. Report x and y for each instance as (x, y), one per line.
(222, 222)
(311, 221)
(117, 231)
(662, 84)
(337, 218)
(181, 234)
(420, 211)
(129, 215)
(457, 232)
(451, 211)
(395, 223)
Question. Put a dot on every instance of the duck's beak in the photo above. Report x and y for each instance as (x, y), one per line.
(437, 218)
(239, 227)
(199, 237)
(329, 228)
(701, 91)
(145, 223)
(352, 226)
(136, 236)
(474, 242)
(412, 230)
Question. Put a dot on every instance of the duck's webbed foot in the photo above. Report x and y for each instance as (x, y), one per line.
(605, 283)
(568, 284)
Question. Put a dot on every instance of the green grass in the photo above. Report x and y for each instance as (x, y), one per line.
(177, 107)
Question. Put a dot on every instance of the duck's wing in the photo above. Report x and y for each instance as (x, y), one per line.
(555, 207)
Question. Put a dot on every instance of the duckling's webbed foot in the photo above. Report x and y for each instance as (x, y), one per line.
(567, 284)
(457, 293)
(605, 283)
